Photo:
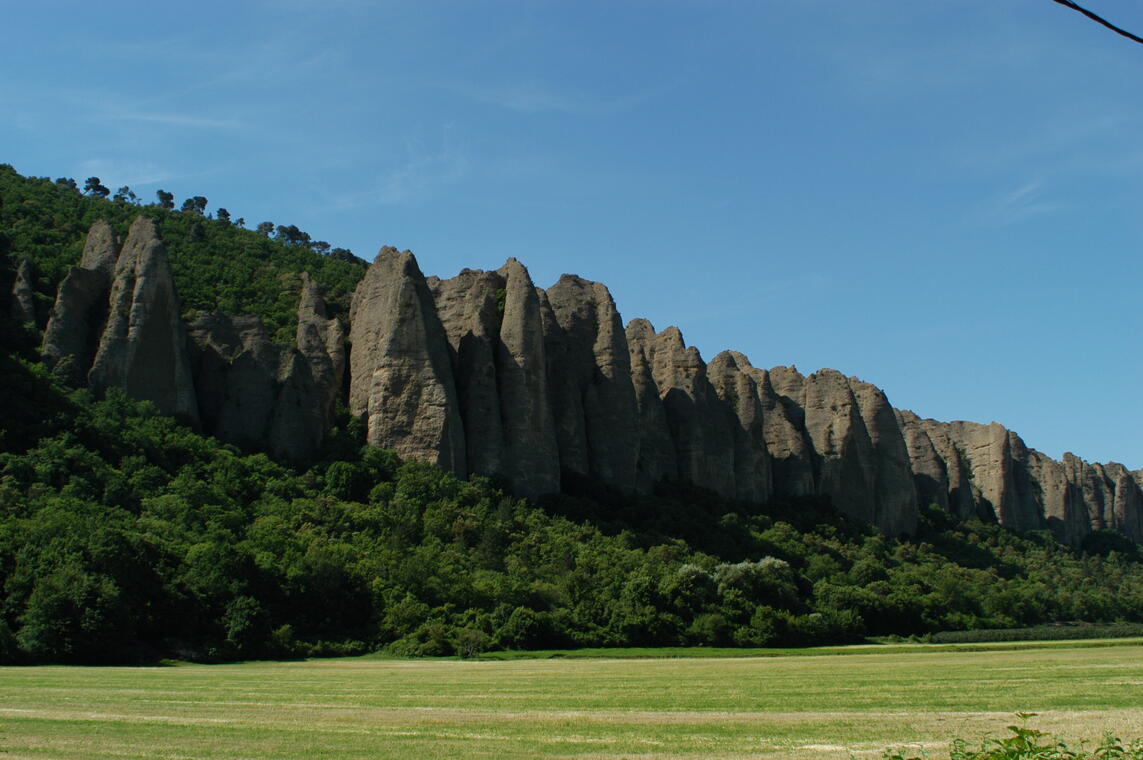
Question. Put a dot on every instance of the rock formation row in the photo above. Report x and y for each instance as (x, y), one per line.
(485, 373)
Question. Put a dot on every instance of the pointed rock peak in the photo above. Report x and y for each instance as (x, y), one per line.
(783, 371)
(23, 307)
(908, 415)
(389, 259)
(142, 243)
(143, 228)
(825, 373)
(641, 329)
(572, 286)
(143, 345)
(311, 302)
(572, 280)
(513, 268)
(101, 249)
(732, 360)
(673, 337)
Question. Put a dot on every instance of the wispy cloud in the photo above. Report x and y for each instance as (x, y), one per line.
(125, 173)
(1082, 144)
(178, 120)
(1021, 203)
(421, 173)
(531, 96)
(99, 105)
(526, 97)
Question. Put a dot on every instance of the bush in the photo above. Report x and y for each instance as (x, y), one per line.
(1031, 744)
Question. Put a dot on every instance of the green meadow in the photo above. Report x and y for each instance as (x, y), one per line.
(840, 702)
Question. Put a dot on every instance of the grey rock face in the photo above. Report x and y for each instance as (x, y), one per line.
(589, 367)
(235, 369)
(101, 250)
(791, 451)
(299, 422)
(656, 460)
(846, 461)
(80, 310)
(485, 373)
(494, 328)
(1127, 501)
(72, 335)
(701, 425)
(400, 370)
(23, 305)
(321, 342)
(254, 393)
(942, 473)
(986, 450)
(564, 395)
(531, 452)
(992, 474)
(468, 309)
(143, 346)
(930, 474)
(1061, 507)
(734, 381)
(894, 492)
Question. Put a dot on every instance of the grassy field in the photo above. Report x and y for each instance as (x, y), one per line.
(791, 706)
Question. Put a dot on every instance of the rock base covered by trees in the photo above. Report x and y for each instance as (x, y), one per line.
(486, 374)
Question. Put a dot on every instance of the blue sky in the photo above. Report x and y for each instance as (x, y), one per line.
(942, 198)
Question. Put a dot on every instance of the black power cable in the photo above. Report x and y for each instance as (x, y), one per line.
(1100, 20)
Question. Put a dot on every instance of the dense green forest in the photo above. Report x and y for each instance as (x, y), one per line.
(125, 536)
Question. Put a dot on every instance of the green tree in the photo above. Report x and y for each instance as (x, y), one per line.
(93, 186)
(195, 205)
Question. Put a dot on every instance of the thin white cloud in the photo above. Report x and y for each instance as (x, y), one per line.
(117, 173)
(526, 97)
(1021, 203)
(97, 105)
(530, 96)
(178, 120)
(422, 174)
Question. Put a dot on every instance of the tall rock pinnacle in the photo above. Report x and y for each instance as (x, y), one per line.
(72, 334)
(23, 306)
(400, 373)
(590, 378)
(143, 347)
(531, 453)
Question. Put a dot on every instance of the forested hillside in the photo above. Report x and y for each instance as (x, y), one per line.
(126, 536)
(217, 265)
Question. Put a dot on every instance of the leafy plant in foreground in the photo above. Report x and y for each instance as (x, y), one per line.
(1031, 744)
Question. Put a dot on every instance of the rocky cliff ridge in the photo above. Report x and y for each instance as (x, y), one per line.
(484, 373)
